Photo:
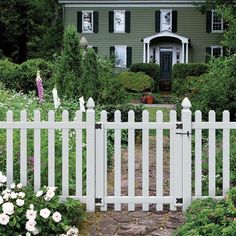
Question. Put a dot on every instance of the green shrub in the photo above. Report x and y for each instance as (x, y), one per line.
(210, 217)
(136, 82)
(23, 77)
(191, 69)
(153, 70)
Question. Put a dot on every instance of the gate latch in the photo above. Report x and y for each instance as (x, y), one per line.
(188, 133)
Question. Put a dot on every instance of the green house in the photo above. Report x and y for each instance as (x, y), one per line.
(157, 31)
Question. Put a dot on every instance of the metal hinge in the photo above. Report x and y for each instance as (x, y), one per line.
(98, 126)
(179, 126)
(98, 200)
(179, 200)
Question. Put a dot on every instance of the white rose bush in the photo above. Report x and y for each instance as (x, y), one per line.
(23, 212)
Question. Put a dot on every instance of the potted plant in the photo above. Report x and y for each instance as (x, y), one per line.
(149, 98)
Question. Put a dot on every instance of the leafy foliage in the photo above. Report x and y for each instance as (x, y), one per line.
(137, 82)
(151, 69)
(69, 69)
(210, 217)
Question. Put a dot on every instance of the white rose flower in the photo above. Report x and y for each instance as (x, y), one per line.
(45, 213)
(51, 189)
(31, 214)
(39, 193)
(1, 200)
(6, 196)
(28, 234)
(3, 178)
(21, 194)
(73, 231)
(14, 195)
(19, 185)
(4, 219)
(31, 206)
(30, 225)
(20, 202)
(35, 232)
(56, 216)
(49, 195)
(13, 186)
(8, 208)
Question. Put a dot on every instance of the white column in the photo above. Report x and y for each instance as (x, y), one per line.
(187, 44)
(148, 52)
(183, 52)
(144, 52)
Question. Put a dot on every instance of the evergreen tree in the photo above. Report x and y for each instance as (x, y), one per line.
(90, 87)
(69, 70)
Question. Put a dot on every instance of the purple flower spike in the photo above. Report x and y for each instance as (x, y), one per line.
(39, 83)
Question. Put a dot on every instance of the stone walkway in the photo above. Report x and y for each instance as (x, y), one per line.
(138, 222)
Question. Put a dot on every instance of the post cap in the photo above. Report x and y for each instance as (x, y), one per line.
(186, 104)
(90, 104)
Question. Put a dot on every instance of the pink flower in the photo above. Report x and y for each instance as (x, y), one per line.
(56, 216)
(4, 219)
(40, 87)
(30, 225)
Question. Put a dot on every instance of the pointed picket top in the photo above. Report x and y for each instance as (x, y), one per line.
(186, 104)
(90, 104)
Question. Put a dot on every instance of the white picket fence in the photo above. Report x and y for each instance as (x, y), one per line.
(180, 152)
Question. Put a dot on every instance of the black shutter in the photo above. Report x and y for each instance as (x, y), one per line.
(208, 21)
(226, 25)
(95, 49)
(95, 22)
(127, 21)
(208, 54)
(111, 21)
(174, 21)
(158, 21)
(112, 55)
(225, 51)
(129, 56)
(79, 22)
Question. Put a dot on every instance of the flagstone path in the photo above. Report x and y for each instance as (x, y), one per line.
(138, 222)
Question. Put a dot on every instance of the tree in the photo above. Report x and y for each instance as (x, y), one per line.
(30, 28)
(69, 69)
(90, 86)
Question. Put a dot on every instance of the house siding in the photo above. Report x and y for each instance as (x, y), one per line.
(191, 23)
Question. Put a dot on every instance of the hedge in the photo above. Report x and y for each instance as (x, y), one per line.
(23, 77)
(150, 69)
(135, 82)
(191, 69)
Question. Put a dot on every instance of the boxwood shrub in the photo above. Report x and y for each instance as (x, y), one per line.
(151, 69)
(191, 69)
(22, 77)
(135, 82)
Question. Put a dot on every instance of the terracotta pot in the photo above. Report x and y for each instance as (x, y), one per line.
(143, 99)
(149, 99)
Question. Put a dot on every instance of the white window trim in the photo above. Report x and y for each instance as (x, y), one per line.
(165, 10)
(116, 31)
(87, 11)
(212, 22)
(221, 50)
(124, 47)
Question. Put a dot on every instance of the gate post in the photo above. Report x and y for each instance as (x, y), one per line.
(186, 116)
(90, 156)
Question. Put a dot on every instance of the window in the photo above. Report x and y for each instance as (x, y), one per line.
(119, 21)
(166, 20)
(120, 56)
(217, 22)
(216, 51)
(87, 21)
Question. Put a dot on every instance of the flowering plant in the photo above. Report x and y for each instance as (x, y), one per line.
(23, 212)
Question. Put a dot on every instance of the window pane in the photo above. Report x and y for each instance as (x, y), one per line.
(119, 20)
(217, 22)
(166, 20)
(217, 52)
(120, 59)
(88, 22)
